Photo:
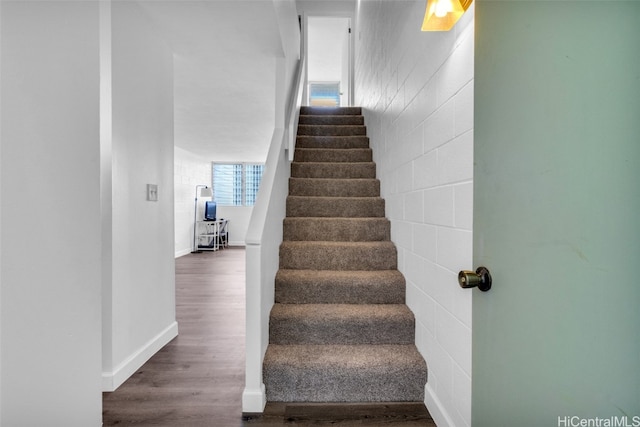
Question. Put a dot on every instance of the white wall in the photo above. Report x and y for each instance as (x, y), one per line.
(239, 217)
(417, 92)
(50, 229)
(286, 64)
(141, 316)
(189, 170)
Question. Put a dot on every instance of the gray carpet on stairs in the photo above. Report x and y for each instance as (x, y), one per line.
(340, 330)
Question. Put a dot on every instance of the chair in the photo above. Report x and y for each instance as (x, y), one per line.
(223, 233)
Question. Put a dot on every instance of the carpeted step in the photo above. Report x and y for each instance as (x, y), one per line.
(341, 324)
(333, 170)
(333, 155)
(336, 229)
(338, 256)
(344, 373)
(331, 130)
(340, 287)
(326, 119)
(340, 207)
(334, 187)
(310, 141)
(332, 111)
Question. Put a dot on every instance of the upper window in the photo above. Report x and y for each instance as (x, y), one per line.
(236, 184)
(324, 94)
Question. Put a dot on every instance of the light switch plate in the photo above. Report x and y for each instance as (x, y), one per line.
(152, 192)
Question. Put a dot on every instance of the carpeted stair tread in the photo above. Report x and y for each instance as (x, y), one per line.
(338, 256)
(346, 142)
(350, 207)
(332, 187)
(336, 229)
(344, 373)
(333, 155)
(341, 324)
(332, 111)
(339, 287)
(333, 170)
(331, 130)
(332, 119)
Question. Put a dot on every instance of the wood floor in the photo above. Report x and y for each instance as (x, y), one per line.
(197, 379)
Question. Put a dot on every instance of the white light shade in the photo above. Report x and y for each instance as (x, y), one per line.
(206, 192)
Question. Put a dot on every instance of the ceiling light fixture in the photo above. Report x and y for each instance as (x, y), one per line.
(442, 15)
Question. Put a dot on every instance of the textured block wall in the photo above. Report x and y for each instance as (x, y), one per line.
(416, 90)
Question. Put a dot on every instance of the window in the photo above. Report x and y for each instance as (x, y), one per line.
(252, 178)
(324, 94)
(236, 184)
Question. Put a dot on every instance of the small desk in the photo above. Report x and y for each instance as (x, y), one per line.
(212, 235)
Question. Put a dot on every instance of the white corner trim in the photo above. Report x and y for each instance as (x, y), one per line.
(112, 380)
(435, 408)
(254, 400)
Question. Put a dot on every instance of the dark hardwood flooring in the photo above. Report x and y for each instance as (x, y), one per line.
(197, 379)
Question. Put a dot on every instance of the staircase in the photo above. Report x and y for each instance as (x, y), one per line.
(339, 330)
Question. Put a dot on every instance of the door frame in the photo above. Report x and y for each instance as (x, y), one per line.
(305, 34)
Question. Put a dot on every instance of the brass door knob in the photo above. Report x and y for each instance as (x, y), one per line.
(481, 278)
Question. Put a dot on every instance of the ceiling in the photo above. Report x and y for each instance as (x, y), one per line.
(224, 70)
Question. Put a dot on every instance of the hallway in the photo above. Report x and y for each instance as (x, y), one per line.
(197, 379)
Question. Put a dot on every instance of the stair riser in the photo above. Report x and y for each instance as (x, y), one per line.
(333, 155)
(308, 141)
(337, 229)
(316, 256)
(338, 386)
(338, 111)
(298, 328)
(379, 333)
(329, 130)
(343, 207)
(339, 293)
(352, 120)
(334, 187)
(344, 374)
(333, 170)
(339, 287)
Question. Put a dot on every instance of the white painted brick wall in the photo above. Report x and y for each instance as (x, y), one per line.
(417, 93)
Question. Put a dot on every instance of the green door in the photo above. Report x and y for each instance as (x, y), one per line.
(557, 213)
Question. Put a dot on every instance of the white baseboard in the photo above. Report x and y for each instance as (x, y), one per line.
(254, 400)
(112, 380)
(435, 408)
(182, 252)
(235, 244)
